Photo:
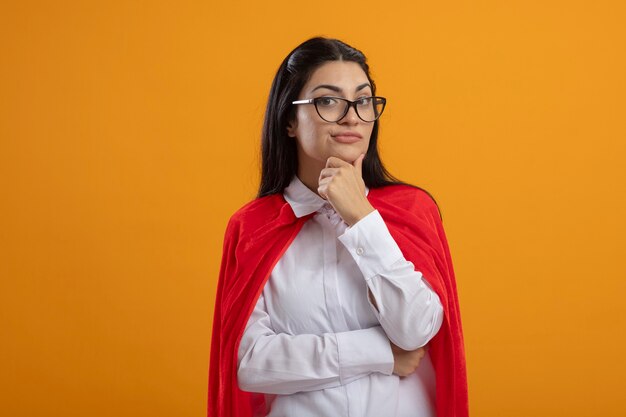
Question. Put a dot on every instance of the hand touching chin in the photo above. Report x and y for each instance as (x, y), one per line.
(341, 183)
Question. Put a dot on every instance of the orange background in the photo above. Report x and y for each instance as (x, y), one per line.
(129, 134)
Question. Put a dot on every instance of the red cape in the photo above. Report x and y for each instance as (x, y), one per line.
(260, 232)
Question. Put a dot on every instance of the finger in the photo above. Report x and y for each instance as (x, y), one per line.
(327, 172)
(321, 190)
(334, 162)
(324, 182)
(418, 353)
(323, 187)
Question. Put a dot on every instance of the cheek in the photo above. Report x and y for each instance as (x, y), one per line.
(311, 133)
(368, 134)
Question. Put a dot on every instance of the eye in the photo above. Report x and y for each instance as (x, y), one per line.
(364, 101)
(326, 102)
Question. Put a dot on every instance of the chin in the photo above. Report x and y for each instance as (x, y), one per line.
(350, 156)
(348, 153)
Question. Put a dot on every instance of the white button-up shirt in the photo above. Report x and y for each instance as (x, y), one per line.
(316, 346)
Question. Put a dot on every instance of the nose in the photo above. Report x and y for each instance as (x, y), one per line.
(351, 118)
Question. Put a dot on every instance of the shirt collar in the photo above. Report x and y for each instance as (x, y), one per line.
(302, 200)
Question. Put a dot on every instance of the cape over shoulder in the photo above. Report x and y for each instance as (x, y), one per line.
(405, 197)
(263, 217)
(259, 211)
(274, 208)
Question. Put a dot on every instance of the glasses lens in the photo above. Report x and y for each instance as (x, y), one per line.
(370, 108)
(330, 109)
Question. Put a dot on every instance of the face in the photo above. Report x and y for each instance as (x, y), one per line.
(317, 139)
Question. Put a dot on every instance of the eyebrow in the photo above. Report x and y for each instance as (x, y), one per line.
(339, 90)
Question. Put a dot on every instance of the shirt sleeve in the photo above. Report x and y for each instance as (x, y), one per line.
(274, 363)
(408, 309)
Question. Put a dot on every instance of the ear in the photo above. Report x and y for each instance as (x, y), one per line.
(291, 128)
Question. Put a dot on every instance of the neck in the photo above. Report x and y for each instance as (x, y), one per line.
(309, 173)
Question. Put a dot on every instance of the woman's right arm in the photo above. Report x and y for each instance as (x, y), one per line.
(278, 363)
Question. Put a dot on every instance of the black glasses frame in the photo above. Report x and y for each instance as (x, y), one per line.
(351, 103)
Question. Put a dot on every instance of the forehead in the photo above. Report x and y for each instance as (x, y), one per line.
(343, 74)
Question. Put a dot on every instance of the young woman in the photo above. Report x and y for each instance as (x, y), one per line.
(337, 294)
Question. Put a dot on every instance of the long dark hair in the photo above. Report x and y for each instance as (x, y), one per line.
(279, 158)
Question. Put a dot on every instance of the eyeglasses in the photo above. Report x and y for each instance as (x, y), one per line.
(333, 109)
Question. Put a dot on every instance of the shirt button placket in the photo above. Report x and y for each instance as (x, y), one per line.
(333, 304)
(331, 290)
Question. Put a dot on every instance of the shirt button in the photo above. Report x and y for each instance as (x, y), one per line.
(359, 251)
(327, 206)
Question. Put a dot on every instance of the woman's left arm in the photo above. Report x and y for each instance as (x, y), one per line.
(407, 308)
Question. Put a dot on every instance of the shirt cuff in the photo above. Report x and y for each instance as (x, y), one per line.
(365, 350)
(371, 245)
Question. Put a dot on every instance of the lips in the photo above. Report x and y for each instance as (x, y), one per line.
(347, 137)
